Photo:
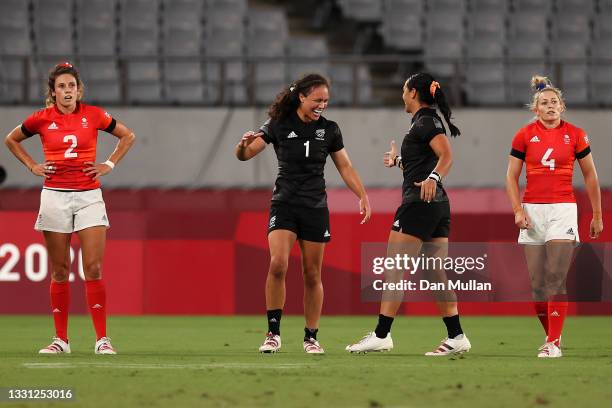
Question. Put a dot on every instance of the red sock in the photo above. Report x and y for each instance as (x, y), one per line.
(96, 302)
(541, 309)
(557, 310)
(60, 305)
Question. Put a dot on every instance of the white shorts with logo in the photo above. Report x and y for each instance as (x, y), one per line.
(70, 211)
(550, 221)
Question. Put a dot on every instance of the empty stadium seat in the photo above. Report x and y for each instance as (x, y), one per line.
(535, 7)
(53, 22)
(144, 93)
(96, 30)
(402, 30)
(12, 79)
(445, 39)
(486, 6)
(98, 70)
(103, 93)
(307, 47)
(14, 23)
(486, 25)
(446, 6)
(139, 28)
(238, 7)
(183, 82)
(182, 27)
(184, 92)
(343, 82)
(362, 10)
(586, 7)
(485, 83)
(267, 33)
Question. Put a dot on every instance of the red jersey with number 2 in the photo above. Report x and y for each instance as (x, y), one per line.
(69, 140)
(549, 155)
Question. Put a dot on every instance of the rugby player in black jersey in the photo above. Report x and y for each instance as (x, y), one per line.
(424, 215)
(302, 140)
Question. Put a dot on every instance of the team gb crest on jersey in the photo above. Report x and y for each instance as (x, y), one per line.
(84, 122)
(320, 134)
(566, 139)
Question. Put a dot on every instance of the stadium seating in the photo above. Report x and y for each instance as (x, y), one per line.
(401, 26)
(249, 49)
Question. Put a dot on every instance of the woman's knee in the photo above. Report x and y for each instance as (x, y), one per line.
(92, 270)
(278, 267)
(60, 271)
(312, 276)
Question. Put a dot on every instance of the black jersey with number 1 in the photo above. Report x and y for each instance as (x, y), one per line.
(302, 149)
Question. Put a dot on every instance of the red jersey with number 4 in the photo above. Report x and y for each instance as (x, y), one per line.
(549, 155)
(69, 140)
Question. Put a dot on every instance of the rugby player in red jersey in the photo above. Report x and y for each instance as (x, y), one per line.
(71, 199)
(547, 215)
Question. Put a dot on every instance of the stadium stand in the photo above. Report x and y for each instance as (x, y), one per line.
(220, 52)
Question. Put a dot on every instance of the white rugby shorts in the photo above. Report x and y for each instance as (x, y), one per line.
(70, 211)
(550, 221)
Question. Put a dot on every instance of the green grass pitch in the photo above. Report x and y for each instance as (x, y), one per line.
(213, 361)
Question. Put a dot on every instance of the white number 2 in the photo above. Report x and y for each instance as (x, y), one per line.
(545, 159)
(69, 152)
(307, 144)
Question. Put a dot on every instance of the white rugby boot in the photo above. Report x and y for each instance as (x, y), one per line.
(371, 343)
(271, 344)
(57, 346)
(459, 345)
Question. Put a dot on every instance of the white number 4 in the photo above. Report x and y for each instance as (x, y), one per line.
(73, 140)
(547, 161)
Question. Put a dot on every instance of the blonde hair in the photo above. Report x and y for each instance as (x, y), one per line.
(541, 84)
(60, 69)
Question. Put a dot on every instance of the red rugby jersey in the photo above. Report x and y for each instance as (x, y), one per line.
(69, 140)
(549, 155)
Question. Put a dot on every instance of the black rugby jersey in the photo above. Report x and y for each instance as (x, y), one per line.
(418, 158)
(301, 149)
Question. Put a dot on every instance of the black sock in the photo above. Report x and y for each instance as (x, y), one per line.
(384, 326)
(310, 333)
(274, 318)
(453, 326)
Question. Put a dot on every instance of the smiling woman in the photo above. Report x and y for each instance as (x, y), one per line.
(302, 139)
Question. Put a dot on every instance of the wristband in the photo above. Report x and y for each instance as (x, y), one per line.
(435, 176)
(109, 164)
(397, 161)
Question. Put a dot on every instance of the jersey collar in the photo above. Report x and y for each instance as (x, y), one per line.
(542, 128)
(425, 111)
(59, 112)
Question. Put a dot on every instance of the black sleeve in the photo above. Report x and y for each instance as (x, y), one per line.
(337, 143)
(430, 127)
(518, 154)
(25, 131)
(584, 153)
(268, 133)
(111, 126)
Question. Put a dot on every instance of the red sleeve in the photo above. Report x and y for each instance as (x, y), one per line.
(31, 125)
(518, 145)
(583, 146)
(104, 121)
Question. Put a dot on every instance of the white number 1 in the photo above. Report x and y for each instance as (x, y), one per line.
(545, 159)
(69, 152)
(307, 144)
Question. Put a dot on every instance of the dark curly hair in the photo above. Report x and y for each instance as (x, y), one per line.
(288, 99)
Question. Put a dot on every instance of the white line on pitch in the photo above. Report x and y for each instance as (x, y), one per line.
(166, 366)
